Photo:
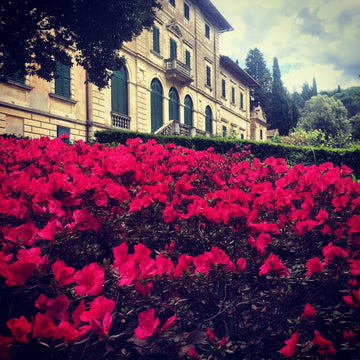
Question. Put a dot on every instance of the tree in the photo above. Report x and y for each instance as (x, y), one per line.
(35, 34)
(326, 114)
(282, 107)
(314, 88)
(351, 99)
(355, 127)
(306, 92)
(256, 67)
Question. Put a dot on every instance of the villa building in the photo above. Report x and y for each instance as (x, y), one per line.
(174, 82)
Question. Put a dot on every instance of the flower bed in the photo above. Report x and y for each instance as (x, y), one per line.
(145, 252)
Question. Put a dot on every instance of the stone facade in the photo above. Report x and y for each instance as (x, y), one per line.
(195, 74)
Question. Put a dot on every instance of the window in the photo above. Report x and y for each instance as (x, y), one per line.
(187, 58)
(173, 49)
(173, 104)
(17, 75)
(241, 100)
(241, 136)
(172, 2)
(156, 39)
(208, 76)
(207, 31)
(233, 95)
(208, 119)
(186, 11)
(156, 105)
(62, 80)
(224, 129)
(261, 134)
(62, 130)
(119, 93)
(223, 88)
(188, 111)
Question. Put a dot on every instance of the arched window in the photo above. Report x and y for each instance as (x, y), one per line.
(156, 105)
(208, 120)
(188, 111)
(119, 92)
(173, 104)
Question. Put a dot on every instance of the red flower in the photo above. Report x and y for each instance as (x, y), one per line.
(18, 272)
(325, 346)
(65, 331)
(90, 280)
(241, 264)
(63, 274)
(19, 328)
(353, 300)
(147, 324)
(168, 323)
(57, 308)
(43, 326)
(331, 252)
(355, 267)
(222, 342)
(354, 224)
(5, 341)
(99, 307)
(193, 354)
(182, 265)
(309, 312)
(290, 348)
(210, 335)
(349, 336)
(163, 265)
(314, 265)
(272, 263)
(143, 289)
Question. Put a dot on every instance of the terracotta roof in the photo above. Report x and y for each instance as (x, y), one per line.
(213, 14)
(231, 66)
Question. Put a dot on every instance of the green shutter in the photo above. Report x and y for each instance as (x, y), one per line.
(208, 76)
(173, 105)
(242, 100)
(156, 39)
(188, 111)
(156, 105)
(119, 93)
(187, 58)
(173, 49)
(233, 95)
(208, 120)
(223, 88)
(62, 81)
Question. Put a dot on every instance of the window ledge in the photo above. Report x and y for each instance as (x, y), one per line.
(62, 98)
(156, 54)
(208, 87)
(18, 85)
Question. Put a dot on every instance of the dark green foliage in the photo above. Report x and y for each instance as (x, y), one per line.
(36, 33)
(262, 150)
(351, 100)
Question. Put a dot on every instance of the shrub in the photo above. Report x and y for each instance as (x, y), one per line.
(146, 251)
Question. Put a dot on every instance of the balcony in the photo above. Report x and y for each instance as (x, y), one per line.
(120, 120)
(176, 70)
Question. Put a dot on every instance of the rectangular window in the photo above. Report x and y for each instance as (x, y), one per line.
(186, 11)
(208, 76)
(156, 39)
(173, 49)
(261, 134)
(187, 58)
(172, 2)
(241, 136)
(224, 129)
(241, 100)
(62, 80)
(207, 31)
(223, 88)
(16, 75)
(62, 130)
(233, 95)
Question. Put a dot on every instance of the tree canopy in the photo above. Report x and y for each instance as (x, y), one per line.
(327, 114)
(35, 34)
(256, 67)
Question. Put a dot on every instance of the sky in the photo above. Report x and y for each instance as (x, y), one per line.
(311, 38)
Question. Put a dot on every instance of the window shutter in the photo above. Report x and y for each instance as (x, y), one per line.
(156, 39)
(173, 49)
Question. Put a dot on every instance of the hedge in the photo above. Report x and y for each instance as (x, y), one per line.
(260, 149)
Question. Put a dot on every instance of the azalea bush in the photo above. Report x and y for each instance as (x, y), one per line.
(144, 251)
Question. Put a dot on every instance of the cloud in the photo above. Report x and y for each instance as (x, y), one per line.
(310, 38)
